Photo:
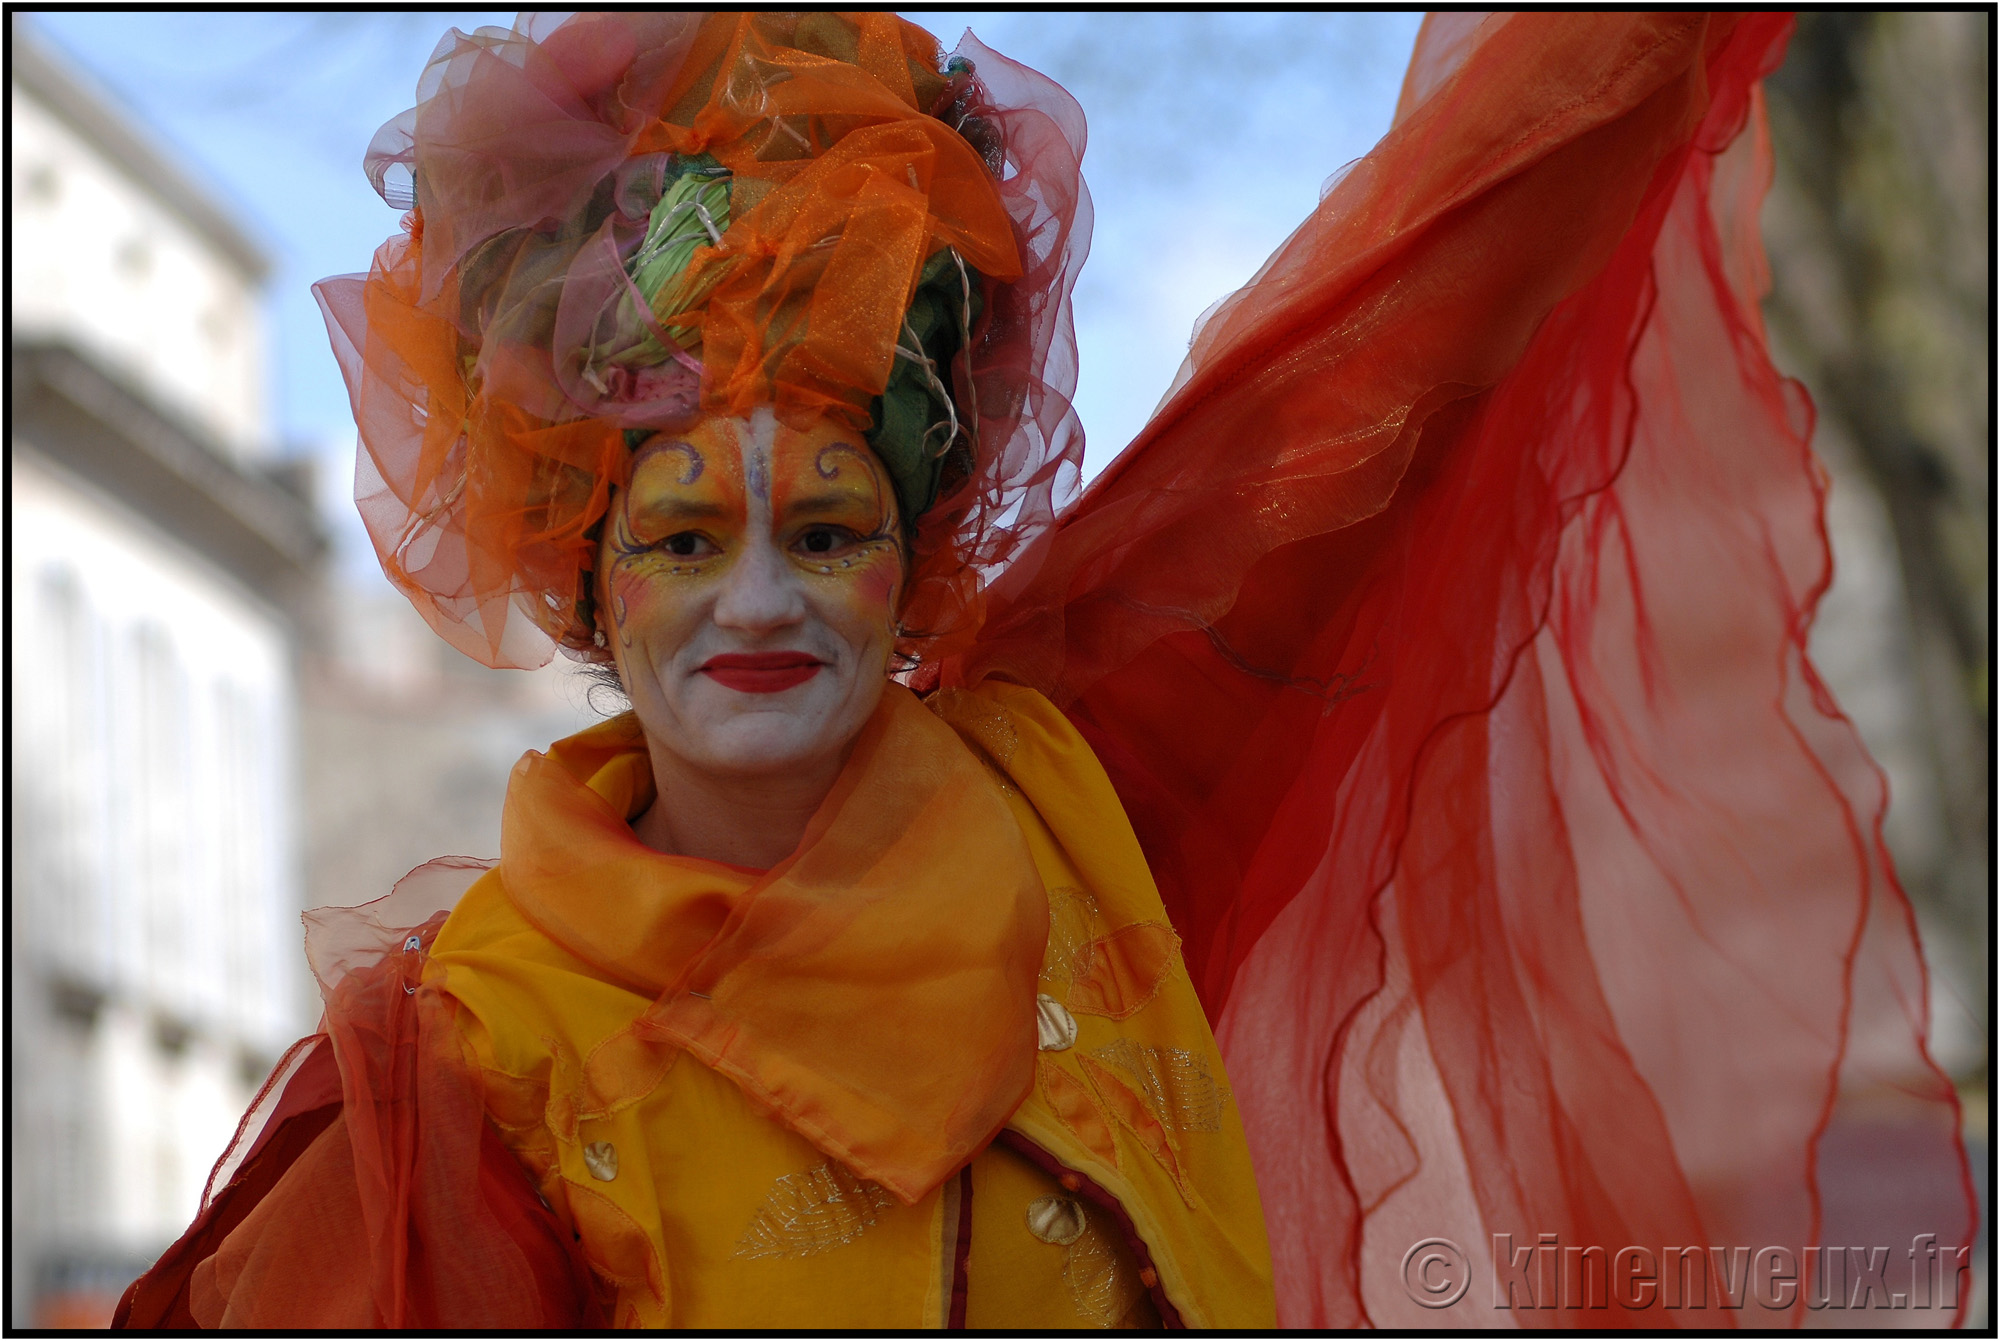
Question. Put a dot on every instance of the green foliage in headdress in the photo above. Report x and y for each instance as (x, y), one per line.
(918, 428)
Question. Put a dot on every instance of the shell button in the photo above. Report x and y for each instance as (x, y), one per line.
(1055, 1027)
(601, 1158)
(1057, 1220)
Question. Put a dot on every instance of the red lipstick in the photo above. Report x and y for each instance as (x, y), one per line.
(761, 672)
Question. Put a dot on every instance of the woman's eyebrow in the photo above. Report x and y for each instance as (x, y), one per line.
(821, 505)
(680, 509)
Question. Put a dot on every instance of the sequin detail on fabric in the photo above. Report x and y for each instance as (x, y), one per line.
(1055, 1027)
(813, 1212)
(1175, 1084)
(601, 1158)
(990, 728)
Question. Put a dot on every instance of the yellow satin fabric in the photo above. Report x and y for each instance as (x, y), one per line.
(751, 1094)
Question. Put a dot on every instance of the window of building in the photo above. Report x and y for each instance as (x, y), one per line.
(135, 258)
(163, 782)
(58, 781)
(42, 184)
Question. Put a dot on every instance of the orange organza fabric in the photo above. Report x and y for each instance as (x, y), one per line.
(491, 440)
(854, 184)
(1445, 636)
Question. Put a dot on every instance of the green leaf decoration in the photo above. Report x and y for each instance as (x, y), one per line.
(913, 416)
(691, 214)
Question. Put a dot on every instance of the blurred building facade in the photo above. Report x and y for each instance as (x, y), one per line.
(407, 744)
(161, 559)
(214, 728)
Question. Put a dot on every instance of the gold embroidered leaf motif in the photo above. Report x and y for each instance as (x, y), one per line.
(1105, 1293)
(1175, 1084)
(1074, 926)
(1102, 1293)
(1131, 1113)
(813, 1212)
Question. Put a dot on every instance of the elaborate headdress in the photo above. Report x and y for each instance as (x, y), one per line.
(621, 221)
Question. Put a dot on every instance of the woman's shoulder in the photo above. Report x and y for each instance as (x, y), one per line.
(514, 986)
(485, 920)
(993, 713)
(1043, 759)
(1029, 741)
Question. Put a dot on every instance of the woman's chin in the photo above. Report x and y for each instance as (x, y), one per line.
(771, 750)
(776, 733)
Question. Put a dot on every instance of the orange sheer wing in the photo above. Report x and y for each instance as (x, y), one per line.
(1445, 636)
(365, 1186)
(304, 1109)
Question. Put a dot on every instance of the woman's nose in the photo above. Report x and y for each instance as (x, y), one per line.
(761, 592)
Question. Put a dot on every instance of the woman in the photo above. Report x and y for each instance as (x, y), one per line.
(1421, 698)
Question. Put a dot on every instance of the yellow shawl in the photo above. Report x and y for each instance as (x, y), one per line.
(771, 1098)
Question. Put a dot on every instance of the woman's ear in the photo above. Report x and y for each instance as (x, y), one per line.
(600, 606)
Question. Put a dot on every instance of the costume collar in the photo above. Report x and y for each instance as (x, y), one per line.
(875, 991)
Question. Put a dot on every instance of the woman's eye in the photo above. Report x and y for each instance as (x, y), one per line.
(687, 545)
(827, 539)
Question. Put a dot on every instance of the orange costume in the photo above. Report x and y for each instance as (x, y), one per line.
(1420, 703)
(751, 1099)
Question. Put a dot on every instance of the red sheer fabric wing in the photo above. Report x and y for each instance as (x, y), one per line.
(449, 1228)
(554, 1270)
(458, 1236)
(295, 1117)
(1305, 392)
(1445, 637)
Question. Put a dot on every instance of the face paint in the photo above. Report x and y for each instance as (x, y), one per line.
(751, 574)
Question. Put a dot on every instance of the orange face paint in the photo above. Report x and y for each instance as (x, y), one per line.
(750, 575)
(694, 500)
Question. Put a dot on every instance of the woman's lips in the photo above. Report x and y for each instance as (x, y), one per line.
(761, 672)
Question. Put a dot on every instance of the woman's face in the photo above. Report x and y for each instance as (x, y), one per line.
(749, 578)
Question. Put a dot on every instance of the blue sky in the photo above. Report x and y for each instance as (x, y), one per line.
(1210, 137)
